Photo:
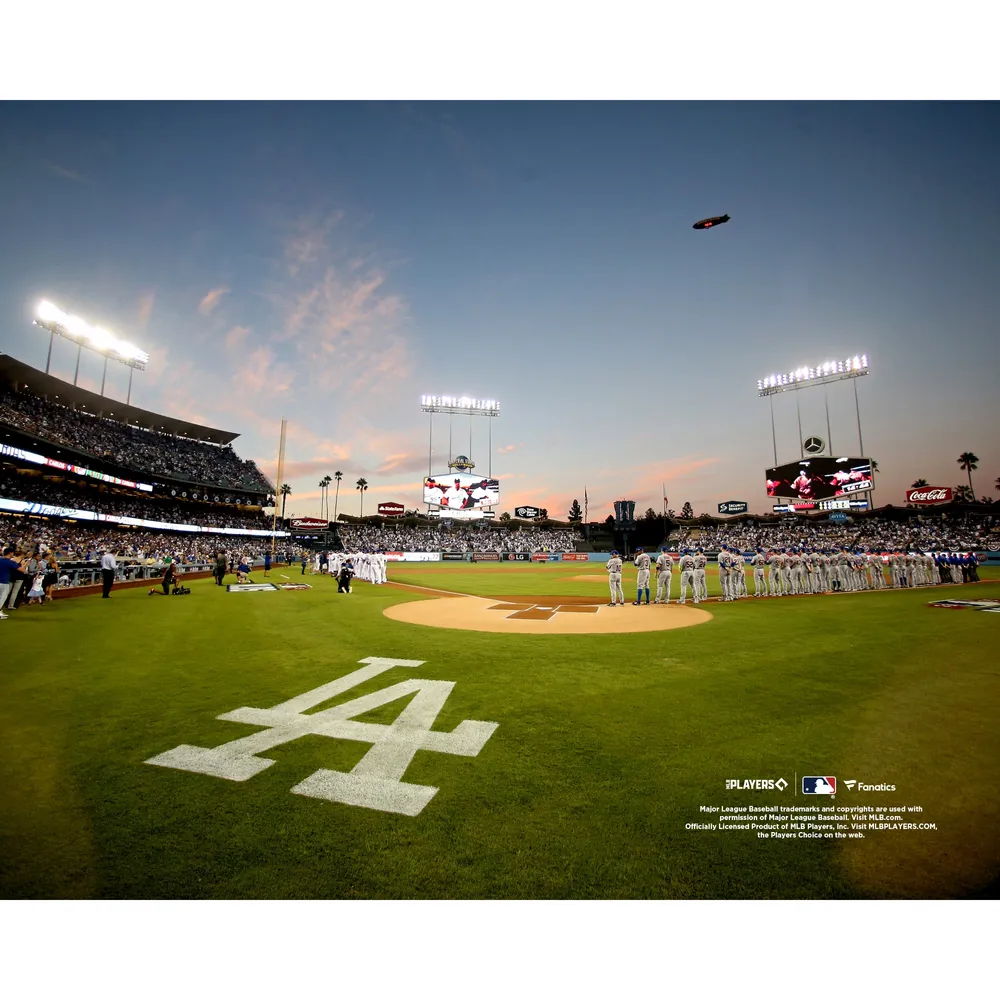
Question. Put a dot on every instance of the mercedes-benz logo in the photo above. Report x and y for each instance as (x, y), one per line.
(813, 445)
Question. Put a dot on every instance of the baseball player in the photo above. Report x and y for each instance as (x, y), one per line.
(664, 574)
(725, 564)
(775, 565)
(759, 562)
(738, 576)
(615, 579)
(700, 583)
(641, 561)
(687, 577)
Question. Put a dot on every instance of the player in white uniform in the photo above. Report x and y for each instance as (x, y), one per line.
(641, 561)
(739, 569)
(687, 577)
(759, 562)
(615, 579)
(700, 583)
(664, 574)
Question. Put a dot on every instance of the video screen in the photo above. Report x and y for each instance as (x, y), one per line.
(820, 478)
(461, 491)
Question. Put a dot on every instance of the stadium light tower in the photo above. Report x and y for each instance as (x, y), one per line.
(52, 318)
(462, 405)
(808, 376)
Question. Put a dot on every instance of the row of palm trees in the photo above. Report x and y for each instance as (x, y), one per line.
(968, 462)
(324, 486)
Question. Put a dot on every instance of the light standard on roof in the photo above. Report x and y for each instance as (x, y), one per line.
(52, 318)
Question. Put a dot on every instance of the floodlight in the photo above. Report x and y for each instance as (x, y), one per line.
(826, 371)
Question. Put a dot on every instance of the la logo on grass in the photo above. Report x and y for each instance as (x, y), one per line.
(376, 781)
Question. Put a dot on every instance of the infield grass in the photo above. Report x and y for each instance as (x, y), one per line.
(607, 745)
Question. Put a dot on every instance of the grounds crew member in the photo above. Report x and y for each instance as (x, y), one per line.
(664, 572)
(642, 580)
(615, 579)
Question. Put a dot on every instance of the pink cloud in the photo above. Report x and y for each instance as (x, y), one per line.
(211, 300)
(259, 372)
(506, 449)
(146, 308)
(236, 336)
(402, 462)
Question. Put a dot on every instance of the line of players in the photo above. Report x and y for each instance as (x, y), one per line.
(789, 572)
(367, 566)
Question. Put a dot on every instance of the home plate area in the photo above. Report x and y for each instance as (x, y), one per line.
(543, 615)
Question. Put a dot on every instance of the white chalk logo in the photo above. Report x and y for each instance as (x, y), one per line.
(376, 782)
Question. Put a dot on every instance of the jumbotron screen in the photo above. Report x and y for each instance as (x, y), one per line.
(461, 491)
(820, 478)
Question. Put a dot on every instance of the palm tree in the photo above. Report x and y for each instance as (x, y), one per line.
(362, 485)
(324, 484)
(286, 491)
(963, 494)
(997, 483)
(338, 475)
(875, 468)
(969, 462)
(918, 482)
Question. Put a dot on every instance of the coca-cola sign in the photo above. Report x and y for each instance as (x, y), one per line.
(929, 494)
(390, 509)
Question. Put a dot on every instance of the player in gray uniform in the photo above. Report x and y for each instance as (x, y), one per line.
(664, 574)
(759, 562)
(641, 561)
(775, 564)
(615, 579)
(738, 576)
(725, 561)
(687, 577)
(700, 583)
(794, 564)
(876, 570)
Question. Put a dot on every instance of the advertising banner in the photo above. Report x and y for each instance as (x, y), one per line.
(30, 456)
(928, 495)
(390, 509)
(48, 510)
(453, 555)
(309, 523)
(516, 556)
(420, 557)
(485, 556)
(539, 557)
(576, 556)
(734, 507)
(530, 513)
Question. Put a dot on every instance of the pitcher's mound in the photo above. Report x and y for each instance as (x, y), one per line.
(544, 615)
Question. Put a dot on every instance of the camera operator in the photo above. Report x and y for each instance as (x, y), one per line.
(169, 579)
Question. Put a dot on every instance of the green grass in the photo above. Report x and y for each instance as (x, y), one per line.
(606, 746)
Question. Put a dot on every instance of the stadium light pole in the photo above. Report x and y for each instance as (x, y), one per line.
(52, 318)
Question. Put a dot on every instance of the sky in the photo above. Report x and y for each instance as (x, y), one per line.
(330, 262)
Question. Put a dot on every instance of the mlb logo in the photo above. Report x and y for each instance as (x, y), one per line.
(819, 786)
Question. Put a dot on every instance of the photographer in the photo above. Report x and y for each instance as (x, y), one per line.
(169, 580)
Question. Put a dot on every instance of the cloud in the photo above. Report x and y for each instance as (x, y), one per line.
(260, 372)
(70, 175)
(402, 462)
(236, 336)
(335, 311)
(211, 300)
(146, 308)
(506, 449)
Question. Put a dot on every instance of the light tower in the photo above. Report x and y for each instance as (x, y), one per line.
(52, 318)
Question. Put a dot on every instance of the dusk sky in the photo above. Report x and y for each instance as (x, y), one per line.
(331, 262)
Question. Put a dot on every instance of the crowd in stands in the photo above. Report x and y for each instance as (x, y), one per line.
(82, 496)
(952, 535)
(461, 538)
(130, 447)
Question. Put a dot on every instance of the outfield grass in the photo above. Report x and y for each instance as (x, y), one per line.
(606, 746)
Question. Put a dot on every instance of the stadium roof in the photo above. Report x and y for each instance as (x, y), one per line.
(17, 374)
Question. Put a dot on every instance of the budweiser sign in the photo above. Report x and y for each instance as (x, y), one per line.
(315, 523)
(390, 509)
(929, 494)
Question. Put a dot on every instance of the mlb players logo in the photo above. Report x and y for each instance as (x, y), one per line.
(819, 786)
